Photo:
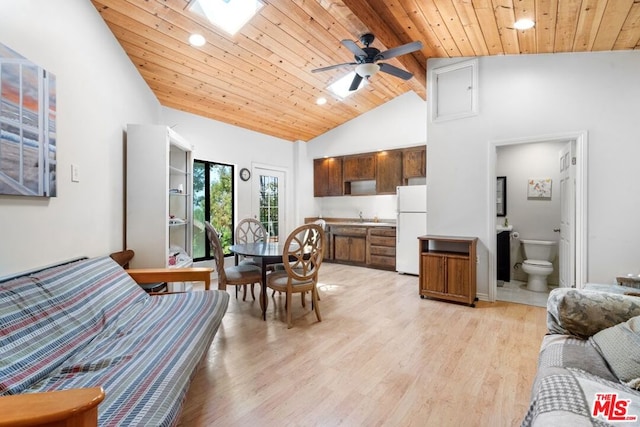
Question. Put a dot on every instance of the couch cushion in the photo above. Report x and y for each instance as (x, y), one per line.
(584, 313)
(145, 359)
(49, 316)
(620, 346)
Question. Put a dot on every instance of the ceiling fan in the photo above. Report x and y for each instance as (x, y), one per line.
(366, 59)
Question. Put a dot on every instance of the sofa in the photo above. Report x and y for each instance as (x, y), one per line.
(589, 362)
(86, 325)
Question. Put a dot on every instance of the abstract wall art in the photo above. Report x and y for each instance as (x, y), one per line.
(539, 188)
(28, 140)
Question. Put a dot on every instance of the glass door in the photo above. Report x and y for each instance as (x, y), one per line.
(269, 196)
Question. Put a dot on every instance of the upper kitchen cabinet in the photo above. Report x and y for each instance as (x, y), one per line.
(359, 168)
(369, 173)
(414, 162)
(388, 171)
(327, 177)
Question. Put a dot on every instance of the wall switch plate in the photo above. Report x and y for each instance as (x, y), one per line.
(75, 174)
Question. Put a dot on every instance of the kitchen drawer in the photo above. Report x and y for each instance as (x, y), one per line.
(382, 231)
(348, 231)
(383, 261)
(382, 241)
(383, 250)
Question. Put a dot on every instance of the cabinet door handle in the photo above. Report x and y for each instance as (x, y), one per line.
(556, 230)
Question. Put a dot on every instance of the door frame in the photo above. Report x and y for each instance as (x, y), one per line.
(283, 229)
(581, 139)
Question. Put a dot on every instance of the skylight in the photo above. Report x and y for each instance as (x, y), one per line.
(229, 15)
(340, 87)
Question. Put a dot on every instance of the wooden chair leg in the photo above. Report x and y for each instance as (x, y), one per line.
(252, 294)
(289, 297)
(244, 292)
(303, 297)
(314, 302)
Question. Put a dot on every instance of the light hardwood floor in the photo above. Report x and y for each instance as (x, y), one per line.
(381, 356)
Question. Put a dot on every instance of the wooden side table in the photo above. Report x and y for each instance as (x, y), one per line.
(633, 282)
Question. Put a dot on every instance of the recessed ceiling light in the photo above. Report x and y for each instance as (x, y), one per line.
(523, 24)
(196, 40)
(321, 101)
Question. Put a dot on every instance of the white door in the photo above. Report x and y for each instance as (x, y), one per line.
(268, 200)
(567, 261)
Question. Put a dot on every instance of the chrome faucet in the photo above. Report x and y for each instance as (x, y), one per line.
(361, 218)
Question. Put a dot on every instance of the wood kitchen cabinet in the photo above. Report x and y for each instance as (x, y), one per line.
(349, 244)
(327, 177)
(381, 247)
(414, 163)
(448, 268)
(359, 168)
(388, 171)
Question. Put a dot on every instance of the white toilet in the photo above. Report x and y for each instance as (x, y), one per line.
(538, 255)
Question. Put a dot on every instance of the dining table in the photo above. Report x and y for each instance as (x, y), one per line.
(268, 253)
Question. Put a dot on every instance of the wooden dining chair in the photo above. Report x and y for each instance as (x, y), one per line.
(249, 230)
(303, 252)
(239, 275)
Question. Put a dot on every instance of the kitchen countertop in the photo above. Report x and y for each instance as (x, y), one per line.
(355, 222)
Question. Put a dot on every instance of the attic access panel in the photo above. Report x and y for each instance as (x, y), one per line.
(455, 91)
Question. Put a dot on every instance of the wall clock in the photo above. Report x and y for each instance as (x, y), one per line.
(245, 174)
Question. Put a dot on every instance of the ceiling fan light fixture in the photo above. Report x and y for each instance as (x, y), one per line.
(367, 70)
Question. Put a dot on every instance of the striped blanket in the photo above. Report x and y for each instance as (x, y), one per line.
(88, 324)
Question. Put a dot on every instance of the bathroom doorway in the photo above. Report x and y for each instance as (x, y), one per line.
(564, 219)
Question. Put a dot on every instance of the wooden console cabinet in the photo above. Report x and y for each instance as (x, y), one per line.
(448, 268)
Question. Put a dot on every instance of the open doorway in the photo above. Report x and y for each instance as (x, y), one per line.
(572, 231)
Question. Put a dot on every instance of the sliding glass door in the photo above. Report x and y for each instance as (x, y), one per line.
(212, 202)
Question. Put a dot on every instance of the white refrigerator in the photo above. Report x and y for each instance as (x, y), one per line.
(411, 222)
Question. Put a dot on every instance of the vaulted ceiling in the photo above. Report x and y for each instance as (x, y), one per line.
(261, 79)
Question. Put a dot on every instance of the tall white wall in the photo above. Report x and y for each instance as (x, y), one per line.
(99, 91)
(530, 96)
(219, 142)
(398, 123)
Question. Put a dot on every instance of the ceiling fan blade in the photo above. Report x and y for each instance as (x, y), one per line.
(400, 50)
(331, 67)
(354, 48)
(355, 82)
(395, 71)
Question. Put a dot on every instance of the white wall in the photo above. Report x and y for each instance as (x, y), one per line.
(99, 91)
(529, 96)
(531, 218)
(398, 123)
(220, 142)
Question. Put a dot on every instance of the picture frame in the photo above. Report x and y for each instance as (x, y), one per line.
(501, 196)
(539, 188)
(28, 141)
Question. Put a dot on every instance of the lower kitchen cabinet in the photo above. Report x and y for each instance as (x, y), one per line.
(349, 248)
(448, 268)
(381, 250)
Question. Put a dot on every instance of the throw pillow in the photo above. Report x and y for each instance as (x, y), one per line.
(620, 346)
(583, 313)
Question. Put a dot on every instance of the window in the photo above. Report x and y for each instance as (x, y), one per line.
(213, 202)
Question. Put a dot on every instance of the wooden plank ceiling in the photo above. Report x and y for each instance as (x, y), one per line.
(261, 79)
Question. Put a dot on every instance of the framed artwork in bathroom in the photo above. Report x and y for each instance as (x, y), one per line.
(501, 196)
